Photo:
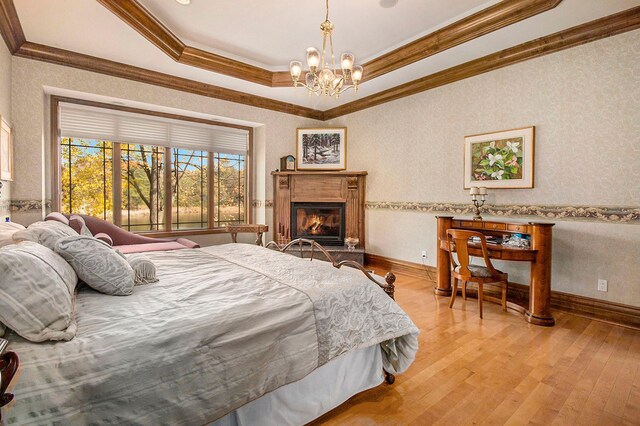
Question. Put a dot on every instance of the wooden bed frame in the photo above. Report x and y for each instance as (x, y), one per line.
(8, 367)
(388, 286)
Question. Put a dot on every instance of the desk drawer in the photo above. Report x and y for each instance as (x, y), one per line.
(495, 226)
(493, 254)
(471, 224)
(518, 228)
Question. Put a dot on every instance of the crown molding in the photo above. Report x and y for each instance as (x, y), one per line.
(116, 69)
(10, 26)
(611, 25)
(605, 27)
(138, 18)
(493, 18)
(486, 21)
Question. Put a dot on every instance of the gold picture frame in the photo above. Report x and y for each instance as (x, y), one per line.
(503, 159)
(321, 149)
(6, 151)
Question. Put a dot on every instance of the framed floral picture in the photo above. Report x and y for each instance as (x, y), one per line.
(6, 151)
(499, 160)
(322, 149)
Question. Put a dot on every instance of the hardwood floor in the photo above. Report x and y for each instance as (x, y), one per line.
(501, 370)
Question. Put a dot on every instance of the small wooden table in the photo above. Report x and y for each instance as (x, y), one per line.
(257, 229)
(538, 254)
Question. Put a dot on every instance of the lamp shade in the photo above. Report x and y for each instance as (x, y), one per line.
(356, 74)
(346, 61)
(313, 58)
(327, 76)
(295, 67)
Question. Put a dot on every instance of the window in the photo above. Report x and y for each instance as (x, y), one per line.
(87, 177)
(142, 187)
(162, 186)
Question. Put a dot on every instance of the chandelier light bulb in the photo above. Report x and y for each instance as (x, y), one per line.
(346, 60)
(313, 58)
(309, 79)
(327, 76)
(296, 69)
(356, 74)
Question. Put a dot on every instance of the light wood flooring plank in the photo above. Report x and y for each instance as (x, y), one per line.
(501, 370)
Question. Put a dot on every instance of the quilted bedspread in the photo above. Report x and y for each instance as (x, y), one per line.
(223, 326)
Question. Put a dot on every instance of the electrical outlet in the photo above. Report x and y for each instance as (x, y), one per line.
(424, 254)
(602, 285)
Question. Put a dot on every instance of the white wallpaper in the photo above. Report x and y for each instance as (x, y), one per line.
(5, 111)
(584, 103)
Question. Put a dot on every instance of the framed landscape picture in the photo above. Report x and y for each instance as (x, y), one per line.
(499, 160)
(6, 151)
(322, 149)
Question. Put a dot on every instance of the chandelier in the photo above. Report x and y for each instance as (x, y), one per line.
(323, 78)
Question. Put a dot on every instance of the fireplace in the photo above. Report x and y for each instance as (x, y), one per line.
(322, 222)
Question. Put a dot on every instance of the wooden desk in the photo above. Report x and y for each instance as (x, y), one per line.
(539, 255)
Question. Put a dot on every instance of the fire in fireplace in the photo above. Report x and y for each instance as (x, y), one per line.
(322, 222)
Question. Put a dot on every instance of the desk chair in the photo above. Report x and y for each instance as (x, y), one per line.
(466, 272)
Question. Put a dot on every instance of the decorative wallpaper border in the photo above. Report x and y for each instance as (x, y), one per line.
(21, 206)
(622, 215)
(630, 215)
(259, 203)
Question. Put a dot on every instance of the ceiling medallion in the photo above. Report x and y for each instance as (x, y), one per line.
(322, 79)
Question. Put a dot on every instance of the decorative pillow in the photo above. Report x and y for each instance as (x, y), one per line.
(57, 216)
(7, 229)
(144, 269)
(46, 233)
(77, 223)
(97, 264)
(104, 237)
(37, 292)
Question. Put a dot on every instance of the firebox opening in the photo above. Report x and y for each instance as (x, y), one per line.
(322, 222)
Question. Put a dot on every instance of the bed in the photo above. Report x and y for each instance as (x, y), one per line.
(231, 334)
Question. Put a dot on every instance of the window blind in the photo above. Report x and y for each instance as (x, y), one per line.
(88, 122)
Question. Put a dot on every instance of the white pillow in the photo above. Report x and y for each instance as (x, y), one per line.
(36, 292)
(46, 233)
(7, 229)
(97, 264)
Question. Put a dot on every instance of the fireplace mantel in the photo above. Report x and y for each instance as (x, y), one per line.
(313, 187)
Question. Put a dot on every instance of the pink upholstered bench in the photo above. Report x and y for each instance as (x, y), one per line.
(125, 241)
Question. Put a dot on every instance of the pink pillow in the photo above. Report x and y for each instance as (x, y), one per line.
(59, 217)
(104, 237)
(77, 224)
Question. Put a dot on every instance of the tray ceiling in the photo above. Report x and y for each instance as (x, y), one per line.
(269, 34)
(273, 33)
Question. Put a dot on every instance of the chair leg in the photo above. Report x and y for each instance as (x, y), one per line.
(480, 296)
(504, 296)
(453, 292)
(464, 290)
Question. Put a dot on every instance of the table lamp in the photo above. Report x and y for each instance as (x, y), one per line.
(478, 196)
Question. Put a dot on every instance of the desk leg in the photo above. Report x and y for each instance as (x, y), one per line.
(443, 284)
(539, 312)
